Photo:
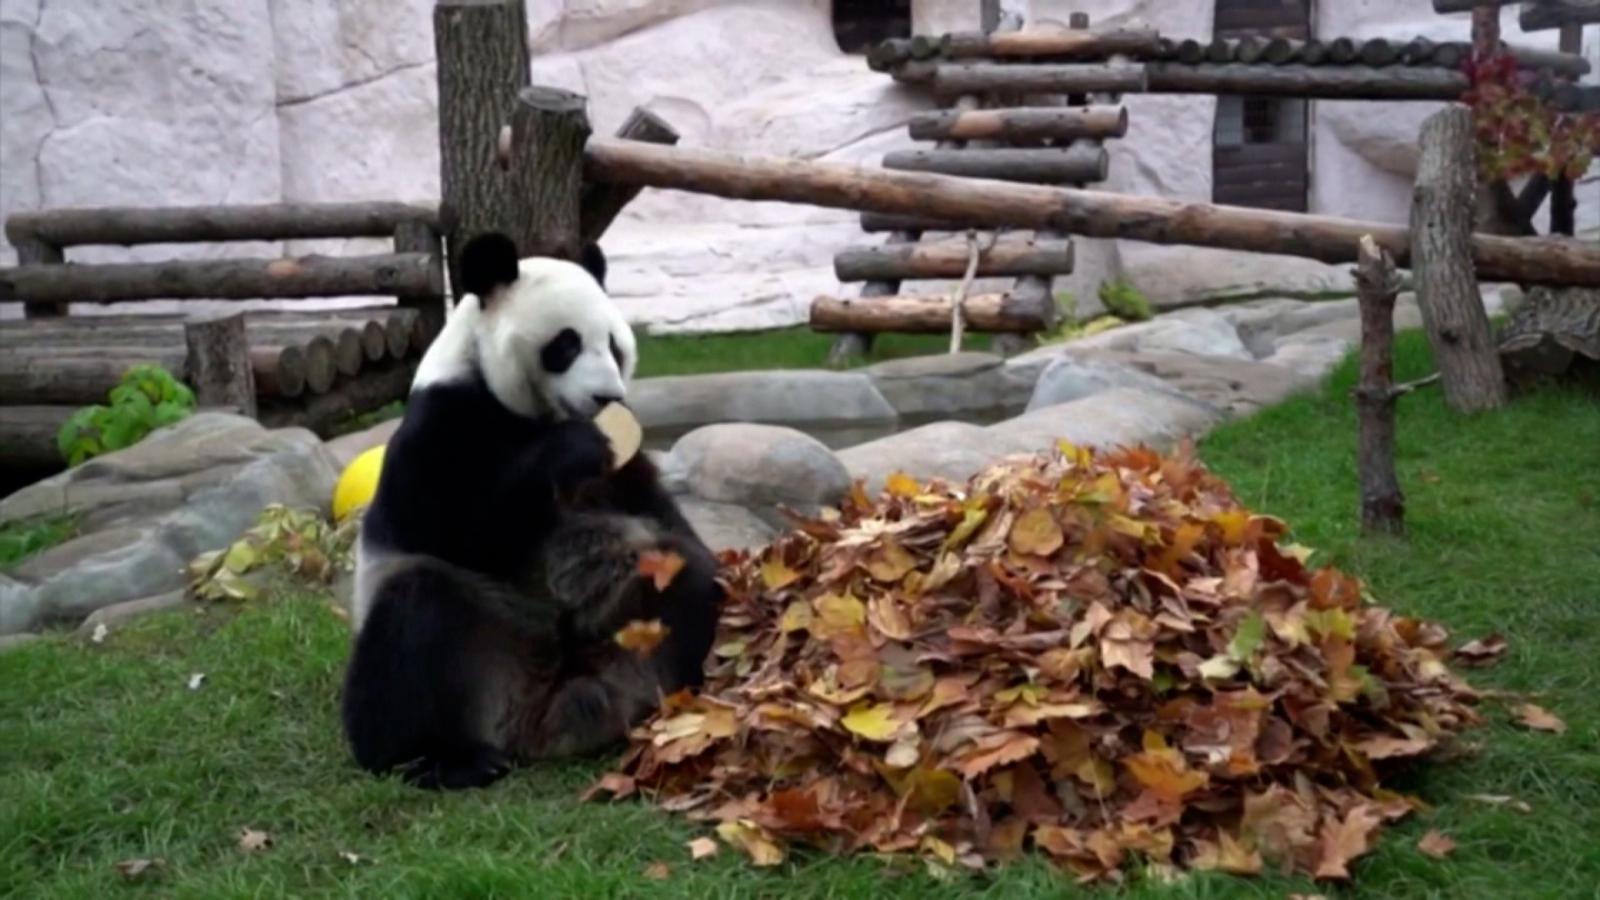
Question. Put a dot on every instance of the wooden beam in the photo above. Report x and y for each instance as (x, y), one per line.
(482, 51)
(130, 226)
(1042, 165)
(1051, 41)
(602, 203)
(1010, 256)
(1078, 212)
(1311, 82)
(1031, 123)
(1447, 286)
(1545, 15)
(1034, 78)
(28, 436)
(366, 392)
(227, 279)
(987, 313)
(1455, 6)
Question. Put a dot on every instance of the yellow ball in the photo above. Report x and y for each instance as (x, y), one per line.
(358, 483)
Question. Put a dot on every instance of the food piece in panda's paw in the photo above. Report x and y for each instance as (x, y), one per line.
(622, 430)
(641, 636)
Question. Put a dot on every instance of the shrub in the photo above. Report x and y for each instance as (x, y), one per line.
(147, 398)
(1125, 301)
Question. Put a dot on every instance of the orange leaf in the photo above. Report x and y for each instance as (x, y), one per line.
(1539, 718)
(999, 749)
(899, 484)
(661, 566)
(1165, 773)
(642, 637)
(1436, 844)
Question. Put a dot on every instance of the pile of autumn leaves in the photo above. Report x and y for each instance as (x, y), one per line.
(1102, 658)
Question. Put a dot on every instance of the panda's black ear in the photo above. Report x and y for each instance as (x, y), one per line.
(488, 261)
(594, 259)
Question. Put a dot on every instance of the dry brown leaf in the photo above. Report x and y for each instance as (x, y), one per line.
(658, 871)
(1483, 651)
(702, 847)
(1344, 839)
(252, 841)
(1539, 718)
(1520, 806)
(642, 637)
(660, 566)
(1436, 844)
(1036, 533)
(133, 869)
(753, 840)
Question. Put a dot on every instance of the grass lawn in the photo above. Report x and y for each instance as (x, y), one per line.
(106, 755)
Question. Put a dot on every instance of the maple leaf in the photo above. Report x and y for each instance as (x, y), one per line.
(1483, 651)
(252, 841)
(1344, 839)
(641, 637)
(661, 567)
(753, 840)
(1436, 844)
(1163, 770)
(1228, 854)
(1036, 532)
(875, 722)
(702, 847)
(776, 574)
(837, 615)
(1000, 749)
(1539, 719)
(616, 783)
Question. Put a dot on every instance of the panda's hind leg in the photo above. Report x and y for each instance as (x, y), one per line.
(426, 680)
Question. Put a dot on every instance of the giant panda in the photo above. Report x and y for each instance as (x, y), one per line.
(499, 555)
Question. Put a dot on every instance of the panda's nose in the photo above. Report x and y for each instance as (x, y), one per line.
(602, 400)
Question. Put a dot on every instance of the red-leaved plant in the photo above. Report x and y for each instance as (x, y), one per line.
(1518, 132)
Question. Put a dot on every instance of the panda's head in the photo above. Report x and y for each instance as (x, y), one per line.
(543, 333)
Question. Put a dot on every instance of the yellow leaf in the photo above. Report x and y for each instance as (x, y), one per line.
(890, 562)
(1036, 533)
(776, 574)
(875, 722)
(973, 515)
(641, 637)
(1234, 524)
(753, 840)
(1131, 527)
(836, 615)
(900, 484)
(796, 616)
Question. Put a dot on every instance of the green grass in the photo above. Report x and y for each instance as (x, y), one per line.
(785, 348)
(20, 540)
(106, 755)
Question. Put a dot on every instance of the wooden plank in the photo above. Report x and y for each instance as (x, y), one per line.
(1545, 15)
(1046, 165)
(130, 226)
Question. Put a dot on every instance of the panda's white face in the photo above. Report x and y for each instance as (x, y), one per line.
(542, 332)
(551, 344)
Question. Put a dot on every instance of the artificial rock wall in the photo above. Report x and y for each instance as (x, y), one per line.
(161, 102)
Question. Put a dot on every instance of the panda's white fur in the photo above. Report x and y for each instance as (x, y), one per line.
(500, 552)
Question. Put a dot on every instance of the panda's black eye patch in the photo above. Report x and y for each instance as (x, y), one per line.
(558, 353)
(616, 353)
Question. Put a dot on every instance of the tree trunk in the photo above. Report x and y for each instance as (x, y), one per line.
(482, 51)
(921, 315)
(1078, 212)
(951, 79)
(1447, 286)
(548, 131)
(219, 363)
(1543, 15)
(1377, 284)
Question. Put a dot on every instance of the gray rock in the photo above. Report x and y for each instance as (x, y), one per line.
(143, 513)
(1202, 332)
(724, 526)
(18, 639)
(1310, 357)
(780, 397)
(949, 450)
(1075, 376)
(1224, 386)
(128, 610)
(346, 447)
(951, 384)
(759, 467)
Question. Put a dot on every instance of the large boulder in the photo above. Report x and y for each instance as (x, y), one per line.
(1075, 375)
(759, 467)
(143, 513)
(951, 384)
(778, 397)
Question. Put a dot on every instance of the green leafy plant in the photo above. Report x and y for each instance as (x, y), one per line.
(20, 540)
(147, 397)
(1125, 301)
(1069, 330)
(1518, 132)
(298, 543)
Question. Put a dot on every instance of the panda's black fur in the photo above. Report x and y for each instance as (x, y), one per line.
(498, 558)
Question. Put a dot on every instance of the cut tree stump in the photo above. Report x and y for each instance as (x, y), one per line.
(1377, 285)
(1442, 209)
(219, 363)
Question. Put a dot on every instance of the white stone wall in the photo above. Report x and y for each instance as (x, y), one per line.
(162, 102)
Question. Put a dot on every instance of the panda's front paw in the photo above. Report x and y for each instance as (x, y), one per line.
(578, 452)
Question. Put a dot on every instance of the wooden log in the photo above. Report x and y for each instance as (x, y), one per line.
(33, 251)
(131, 226)
(397, 328)
(1313, 53)
(1485, 31)
(1078, 212)
(1249, 50)
(425, 238)
(371, 390)
(1009, 257)
(989, 313)
(602, 203)
(1451, 55)
(28, 437)
(279, 371)
(1220, 50)
(1377, 285)
(1455, 6)
(1033, 123)
(1447, 286)
(1045, 165)
(1418, 52)
(1563, 197)
(1281, 50)
(322, 368)
(1342, 51)
(1313, 82)
(1544, 15)
(69, 376)
(1566, 63)
(1191, 51)
(1166, 48)
(548, 129)
(481, 48)
(888, 54)
(224, 279)
(1036, 78)
(1052, 41)
(218, 369)
(1378, 52)
(925, 46)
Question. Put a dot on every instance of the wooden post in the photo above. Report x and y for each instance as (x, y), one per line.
(482, 52)
(1441, 248)
(31, 251)
(1377, 284)
(548, 131)
(219, 363)
(1485, 31)
(422, 237)
(603, 202)
(1563, 199)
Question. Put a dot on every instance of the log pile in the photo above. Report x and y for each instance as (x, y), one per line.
(308, 368)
